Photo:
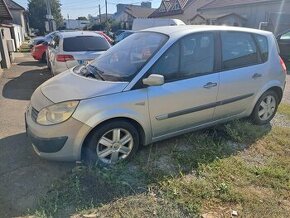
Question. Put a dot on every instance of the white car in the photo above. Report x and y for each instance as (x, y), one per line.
(69, 49)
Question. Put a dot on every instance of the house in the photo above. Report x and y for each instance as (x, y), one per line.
(184, 10)
(127, 13)
(273, 15)
(19, 17)
(229, 19)
(5, 15)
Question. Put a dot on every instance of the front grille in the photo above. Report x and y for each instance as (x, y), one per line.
(34, 114)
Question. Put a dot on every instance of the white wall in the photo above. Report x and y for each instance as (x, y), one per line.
(72, 24)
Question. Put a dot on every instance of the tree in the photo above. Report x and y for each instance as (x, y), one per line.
(37, 13)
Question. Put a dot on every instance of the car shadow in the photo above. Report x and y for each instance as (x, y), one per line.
(24, 176)
(32, 63)
(22, 87)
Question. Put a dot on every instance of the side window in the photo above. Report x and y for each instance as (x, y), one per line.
(191, 56)
(263, 46)
(285, 36)
(238, 50)
(197, 54)
(168, 64)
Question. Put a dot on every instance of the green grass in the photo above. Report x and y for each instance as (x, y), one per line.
(237, 166)
(284, 109)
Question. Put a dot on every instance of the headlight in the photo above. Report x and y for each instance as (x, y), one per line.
(57, 113)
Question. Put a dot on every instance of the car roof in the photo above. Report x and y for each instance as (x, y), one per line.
(185, 29)
(78, 33)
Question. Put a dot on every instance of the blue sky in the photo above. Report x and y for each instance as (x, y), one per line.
(76, 8)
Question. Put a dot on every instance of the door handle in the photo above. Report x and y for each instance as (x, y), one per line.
(209, 85)
(256, 75)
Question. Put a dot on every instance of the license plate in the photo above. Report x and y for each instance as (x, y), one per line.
(83, 61)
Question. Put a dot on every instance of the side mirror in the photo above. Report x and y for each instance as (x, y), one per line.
(154, 80)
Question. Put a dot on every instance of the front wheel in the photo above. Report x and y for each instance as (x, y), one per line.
(265, 108)
(112, 143)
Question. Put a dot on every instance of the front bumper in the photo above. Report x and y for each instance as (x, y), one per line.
(47, 145)
(60, 142)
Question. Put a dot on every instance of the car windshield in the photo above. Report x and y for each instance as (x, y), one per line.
(124, 60)
(85, 43)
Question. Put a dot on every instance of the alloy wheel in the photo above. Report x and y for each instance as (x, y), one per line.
(267, 107)
(114, 145)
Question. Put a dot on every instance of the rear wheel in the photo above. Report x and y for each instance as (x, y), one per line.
(265, 108)
(112, 143)
(43, 58)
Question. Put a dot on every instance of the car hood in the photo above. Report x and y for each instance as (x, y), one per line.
(70, 86)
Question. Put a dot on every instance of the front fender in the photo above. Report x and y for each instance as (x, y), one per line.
(131, 105)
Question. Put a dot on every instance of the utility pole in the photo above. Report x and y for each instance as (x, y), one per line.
(106, 10)
(49, 24)
(100, 14)
(67, 25)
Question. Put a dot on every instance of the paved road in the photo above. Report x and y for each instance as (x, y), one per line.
(24, 177)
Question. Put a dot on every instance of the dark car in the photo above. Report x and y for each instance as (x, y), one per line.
(284, 45)
(123, 35)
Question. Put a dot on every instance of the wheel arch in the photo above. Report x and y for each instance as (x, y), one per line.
(135, 123)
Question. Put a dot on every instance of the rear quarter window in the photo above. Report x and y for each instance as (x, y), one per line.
(238, 50)
(263, 46)
(85, 43)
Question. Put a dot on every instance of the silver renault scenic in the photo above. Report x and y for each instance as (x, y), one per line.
(155, 84)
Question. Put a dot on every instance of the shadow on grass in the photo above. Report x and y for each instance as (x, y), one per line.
(89, 187)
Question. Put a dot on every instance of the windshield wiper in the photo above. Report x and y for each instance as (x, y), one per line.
(95, 71)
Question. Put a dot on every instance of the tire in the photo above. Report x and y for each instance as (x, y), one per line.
(96, 152)
(43, 58)
(48, 63)
(265, 108)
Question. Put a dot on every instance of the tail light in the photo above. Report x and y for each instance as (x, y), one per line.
(64, 58)
(283, 65)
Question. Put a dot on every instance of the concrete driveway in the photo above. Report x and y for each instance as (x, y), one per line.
(24, 177)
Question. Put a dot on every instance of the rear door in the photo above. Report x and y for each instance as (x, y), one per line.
(243, 57)
(188, 97)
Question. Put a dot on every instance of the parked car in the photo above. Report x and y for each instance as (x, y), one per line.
(118, 32)
(38, 52)
(108, 38)
(284, 45)
(156, 84)
(141, 23)
(40, 39)
(123, 35)
(36, 41)
(69, 49)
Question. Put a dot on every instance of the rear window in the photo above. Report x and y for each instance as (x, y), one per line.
(85, 43)
(263, 45)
